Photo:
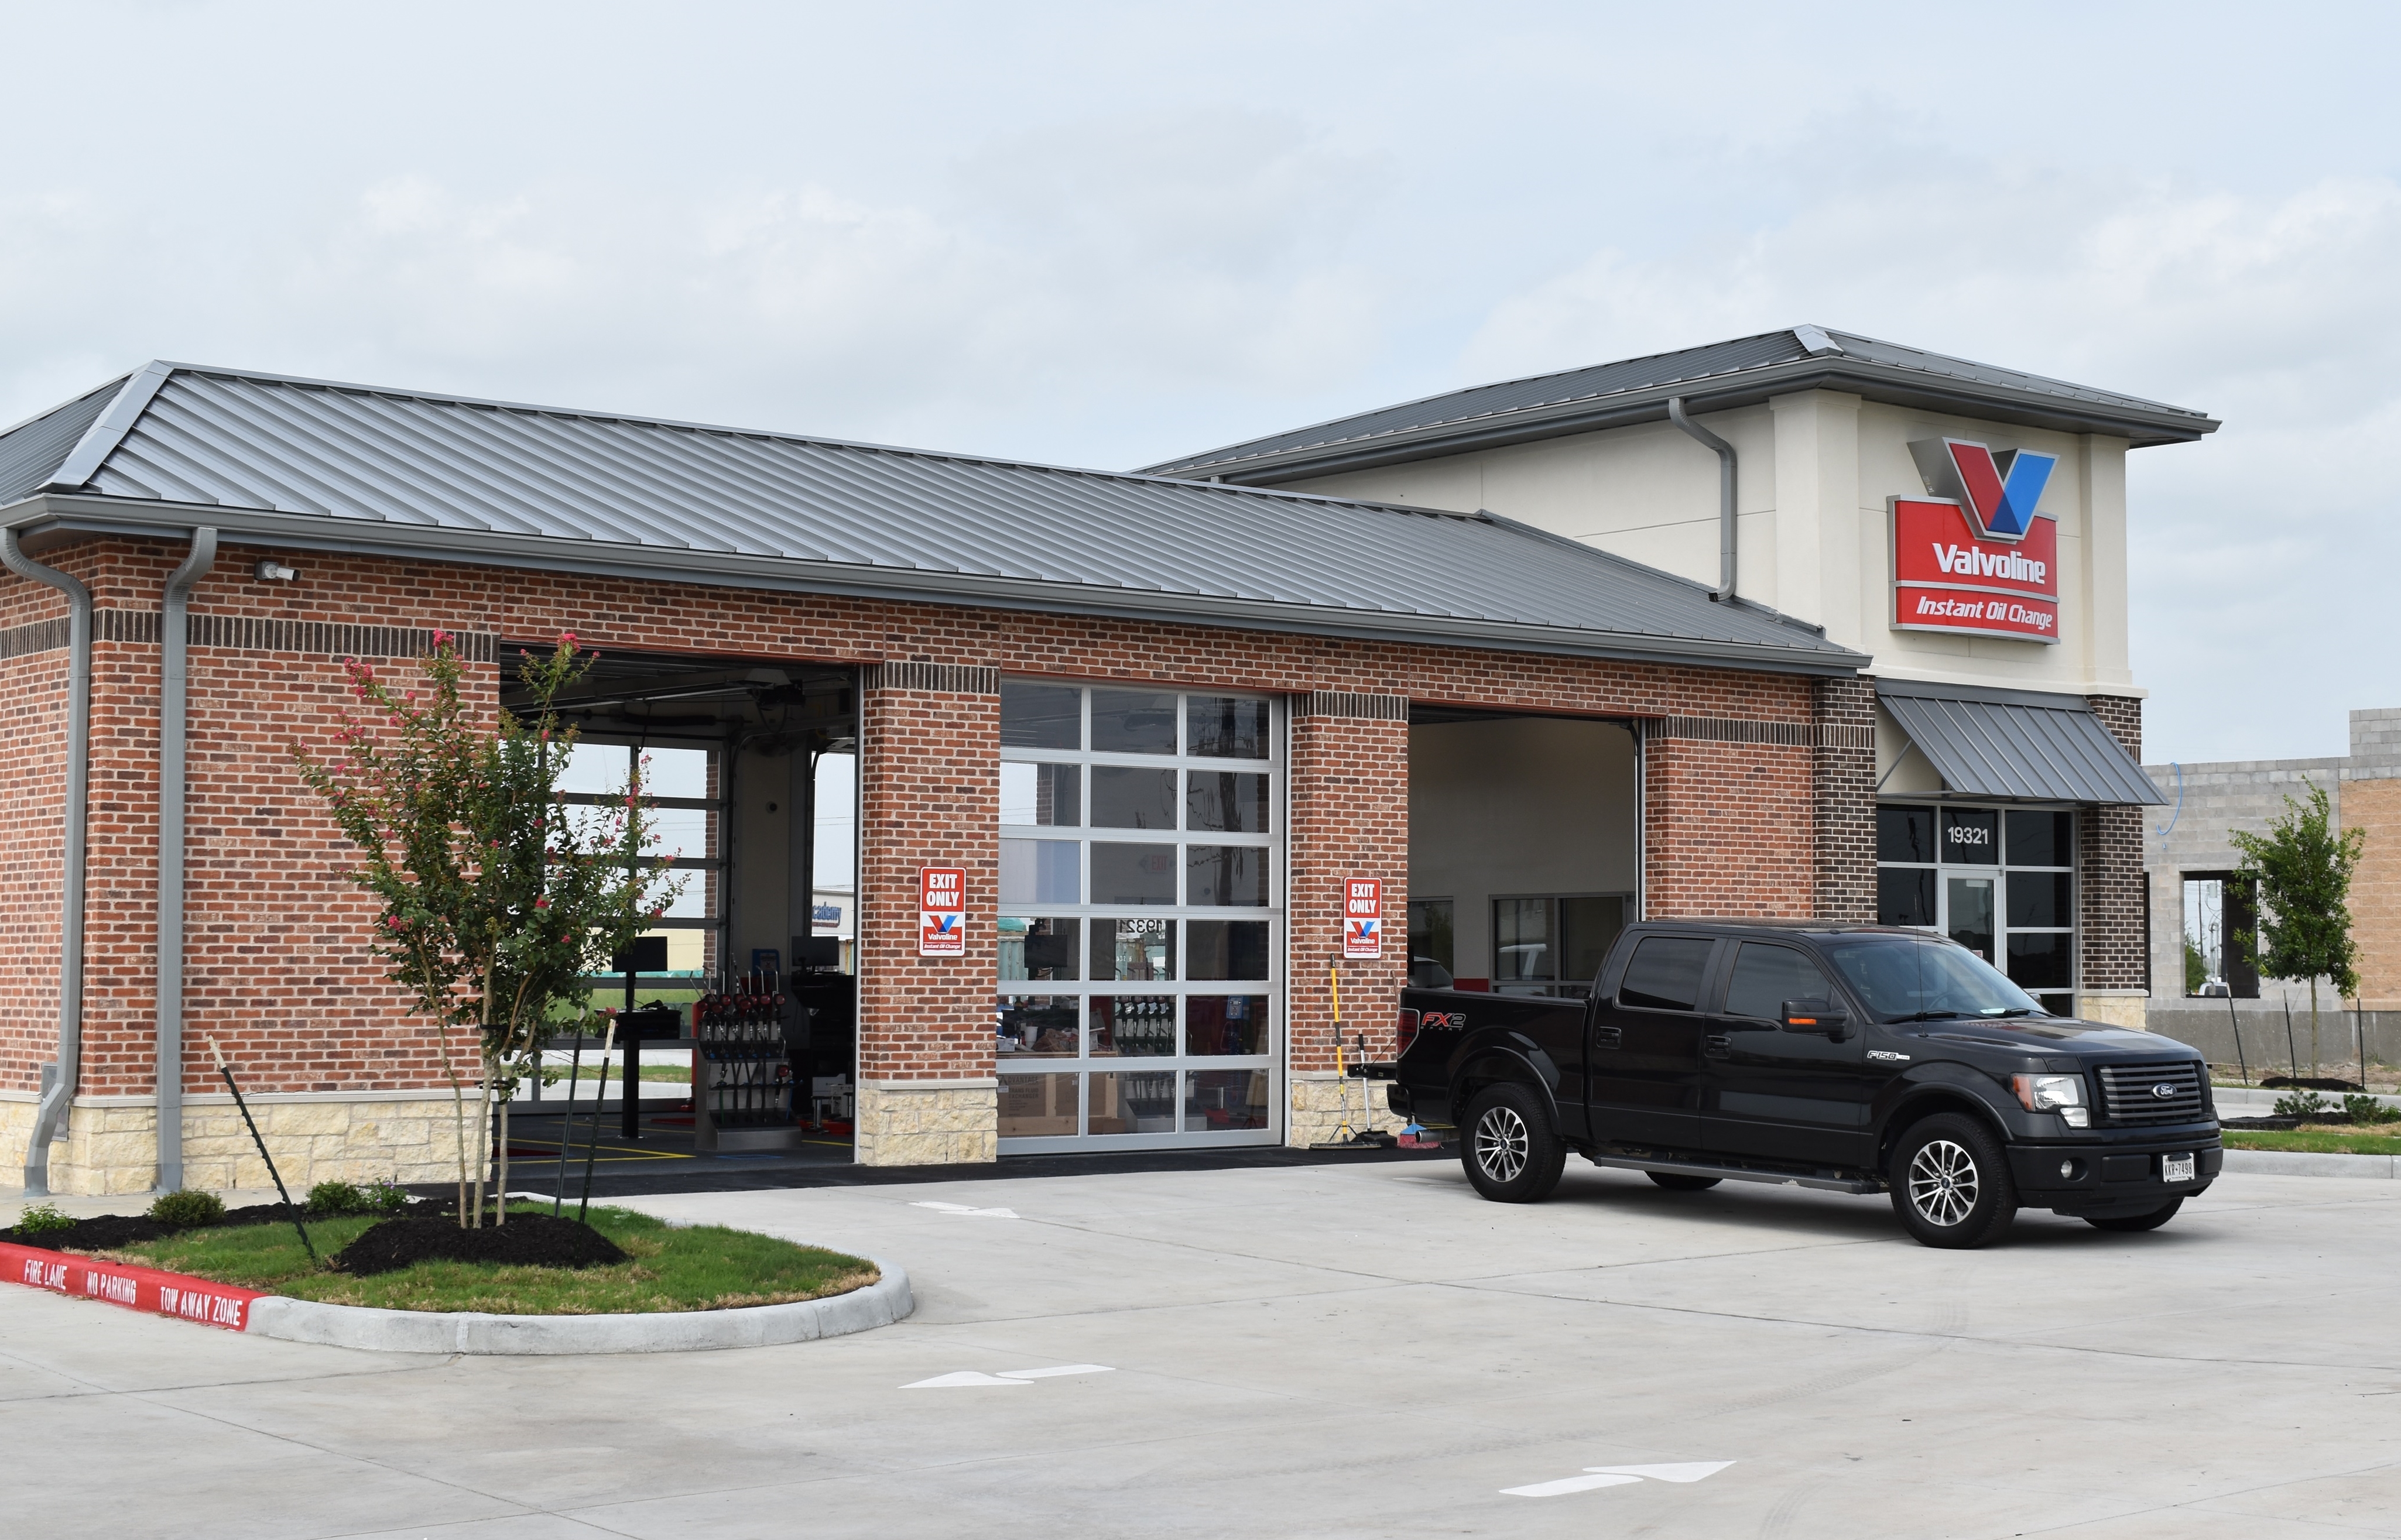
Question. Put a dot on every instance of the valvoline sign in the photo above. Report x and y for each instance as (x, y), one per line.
(941, 912)
(1363, 918)
(1978, 559)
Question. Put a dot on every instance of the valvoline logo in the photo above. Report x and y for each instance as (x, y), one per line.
(1998, 491)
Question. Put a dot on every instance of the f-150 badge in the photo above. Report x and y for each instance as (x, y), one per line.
(1888, 1053)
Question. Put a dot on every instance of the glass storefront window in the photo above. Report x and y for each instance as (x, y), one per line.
(1134, 1025)
(1225, 1026)
(1041, 716)
(1044, 796)
(2000, 882)
(1040, 871)
(1220, 1099)
(1038, 1106)
(1141, 851)
(1134, 721)
(1226, 727)
(1036, 1026)
(1226, 802)
(1132, 873)
(1132, 797)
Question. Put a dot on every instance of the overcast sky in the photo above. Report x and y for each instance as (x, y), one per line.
(1108, 234)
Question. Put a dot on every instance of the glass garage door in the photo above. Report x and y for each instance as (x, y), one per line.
(1140, 931)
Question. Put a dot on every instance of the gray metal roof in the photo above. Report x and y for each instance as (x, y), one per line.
(316, 465)
(31, 452)
(1714, 377)
(2016, 747)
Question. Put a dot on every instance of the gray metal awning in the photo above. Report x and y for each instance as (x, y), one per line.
(2003, 746)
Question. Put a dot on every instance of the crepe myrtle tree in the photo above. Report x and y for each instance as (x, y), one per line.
(496, 899)
(2303, 867)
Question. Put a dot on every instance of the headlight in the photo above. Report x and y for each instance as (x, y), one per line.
(2050, 1093)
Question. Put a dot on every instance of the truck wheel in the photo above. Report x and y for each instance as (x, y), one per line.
(1677, 1182)
(1951, 1184)
(1510, 1151)
(2151, 1221)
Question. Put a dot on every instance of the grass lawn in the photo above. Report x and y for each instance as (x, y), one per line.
(2319, 1140)
(704, 1267)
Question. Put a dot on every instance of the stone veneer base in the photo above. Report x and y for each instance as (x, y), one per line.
(113, 1147)
(928, 1122)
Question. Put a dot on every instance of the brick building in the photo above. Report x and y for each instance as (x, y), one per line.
(1158, 720)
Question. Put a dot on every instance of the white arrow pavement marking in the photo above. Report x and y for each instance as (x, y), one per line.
(1696, 1470)
(1573, 1483)
(966, 1208)
(966, 1379)
(1596, 1476)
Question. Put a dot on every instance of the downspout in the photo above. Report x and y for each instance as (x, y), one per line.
(1724, 594)
(172, 693)
(50, 1119)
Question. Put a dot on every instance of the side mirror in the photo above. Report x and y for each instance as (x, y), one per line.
(1814, 1015)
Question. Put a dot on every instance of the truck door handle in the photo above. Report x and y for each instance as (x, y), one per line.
(1718, 1045)
(1608, 1037)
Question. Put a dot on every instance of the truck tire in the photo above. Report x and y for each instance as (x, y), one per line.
(1510, 1151)
(1951, 1184)
(1678, 1181)
(2151, 1221)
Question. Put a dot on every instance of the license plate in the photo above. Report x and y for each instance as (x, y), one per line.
(2175, 1168)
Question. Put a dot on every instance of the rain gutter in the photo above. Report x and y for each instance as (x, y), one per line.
(58, 1095)
(64, 516)
(174, 681)
(1724, 594)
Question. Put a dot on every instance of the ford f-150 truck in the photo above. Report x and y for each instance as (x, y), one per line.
(1855, 1058)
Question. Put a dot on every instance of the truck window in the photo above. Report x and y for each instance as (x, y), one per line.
(1665, 974)
(1765, 978)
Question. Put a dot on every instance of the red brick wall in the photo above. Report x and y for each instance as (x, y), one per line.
(2110, 885)
(1348, 773)
(928, 796)
(1845, 770)
(277, 968)
(32, 787)
(1728, 828)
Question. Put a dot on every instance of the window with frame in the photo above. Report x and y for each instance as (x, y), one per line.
(1553, 944)
(686, 821)
(1140, 854)
(2000, 882)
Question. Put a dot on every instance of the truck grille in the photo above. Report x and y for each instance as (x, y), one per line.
(2131, 1093)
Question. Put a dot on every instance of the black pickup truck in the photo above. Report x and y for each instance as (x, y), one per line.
(1855, 1058)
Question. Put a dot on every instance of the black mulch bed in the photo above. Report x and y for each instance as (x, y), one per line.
(528, 1240)
(109, 1232)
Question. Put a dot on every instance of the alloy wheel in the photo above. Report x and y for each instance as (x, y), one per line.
(1943, 1185)
(1501, 1144)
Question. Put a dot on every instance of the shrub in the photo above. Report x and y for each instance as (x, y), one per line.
(386, 1197)
(42, 1219)
(2301, 1104)
(336, 1197)
(2366, 1109)
(187, 1208)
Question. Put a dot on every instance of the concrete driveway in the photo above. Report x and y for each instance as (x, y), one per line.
(1323, 1351)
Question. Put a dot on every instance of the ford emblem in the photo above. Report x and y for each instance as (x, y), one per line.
(2164, 1090)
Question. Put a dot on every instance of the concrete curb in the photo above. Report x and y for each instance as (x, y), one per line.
(880, 1303)
(2303, 1163)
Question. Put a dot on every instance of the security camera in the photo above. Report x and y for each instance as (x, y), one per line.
(274, 572)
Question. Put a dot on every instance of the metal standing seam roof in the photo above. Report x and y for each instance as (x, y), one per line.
(312, 464)
(2019, 751)
(1711, 378)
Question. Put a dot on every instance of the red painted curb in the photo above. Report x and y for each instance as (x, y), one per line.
(135, 1287)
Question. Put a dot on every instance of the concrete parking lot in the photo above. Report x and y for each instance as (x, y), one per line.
(1323, 1351)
